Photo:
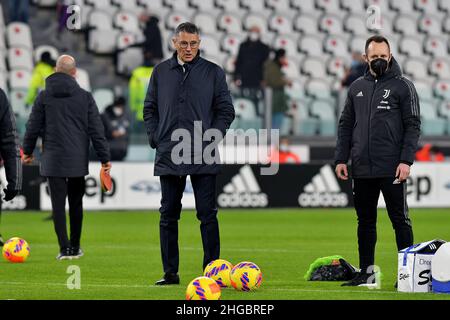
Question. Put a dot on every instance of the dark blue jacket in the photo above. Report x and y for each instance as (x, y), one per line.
(67, 117)
(175, 99)
(380, 125)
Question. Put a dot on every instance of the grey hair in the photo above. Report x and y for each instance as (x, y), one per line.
(187, 27)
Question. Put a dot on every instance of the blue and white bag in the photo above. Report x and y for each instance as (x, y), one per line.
(414, 266)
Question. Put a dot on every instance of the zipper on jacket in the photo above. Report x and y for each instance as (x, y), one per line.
(370, 121)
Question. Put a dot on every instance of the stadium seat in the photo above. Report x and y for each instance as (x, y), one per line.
(82, 78)
(411, 46)
(446, 24)
(331, 24)
(103, 41)
(356, 24)
(357, 44)
(179, 5)
(386, 26)
(128, 60)
(406, 25)
(311, 45)
(19, 35)
(152, 4)
(100, 20)
(430, 24)
(292, 68)
(230, 22)
(228, 5)
(432, 124)
(246, 114)
(288, 43)
(104, 5)
(18, 98)
(296, 91)
(336, 45)
(281, 24)
(210, 45)
(329, 6)
(229, 64)
(352, 6)
(416, 68)
(126, 21)
(303, 123)
(45, 48)
(205, 22)
(103, 98)
(444, 5)
(258, 20)
(436, 46)
(278, 5)
(304, 5)
(427, 6)
(424, 89)
(325, 111)
(173, 19)
(336, 66)
(442, 89)
(203, 5)
(129, 6)
(19, 79)
(440, 67)
(444, 111)
(318, 88)
(256, 7)
(306, 23)
(128, 39)
(382, 4)
(314, 67)
(402, 6)
(20, 58)
(230, 43)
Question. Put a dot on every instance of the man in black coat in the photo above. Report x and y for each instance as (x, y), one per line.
(183, 90)
(68, 119)
(9, 151)
(248, 74)
(380, 129)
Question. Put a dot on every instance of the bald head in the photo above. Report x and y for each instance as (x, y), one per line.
(66, 64)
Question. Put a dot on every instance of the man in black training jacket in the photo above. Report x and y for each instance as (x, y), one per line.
(380, 129)
(182, 90)
(68, 119)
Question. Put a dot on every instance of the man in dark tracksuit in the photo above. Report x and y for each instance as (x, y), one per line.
(68, 119)
(9, 151)
(184, 89)
(380, 129)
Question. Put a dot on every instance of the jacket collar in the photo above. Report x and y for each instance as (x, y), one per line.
(174, 60)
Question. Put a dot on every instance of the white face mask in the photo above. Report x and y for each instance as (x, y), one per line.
(254, 36)
(118, 111)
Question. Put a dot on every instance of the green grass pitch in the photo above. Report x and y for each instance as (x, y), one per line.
(122, 255)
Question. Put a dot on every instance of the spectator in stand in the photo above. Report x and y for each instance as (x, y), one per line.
(275, 79)
(283, 154)
(248, 74)
(356, 70)
(116, 120)
(18, 10)
(430, 153)
(153, 40)
(44, 68)
(138, 88)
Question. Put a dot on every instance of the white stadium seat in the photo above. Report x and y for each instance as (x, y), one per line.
(103, 98)
(256, 7)
(329, 6)
(307, 23)
(210, 45)
(278, 5)
(19, 35)
(336, 45)
(314, 67)
(20, 58)
(82, 78)
(228, 5)
(203, 5)
(178, 5)
(430, 24)
(311, 45)
(428, 6)
(424, 89)
(128, 39)
(281, 24)
(128, 60)
(230, 43)
(325, 111)
(19, 79)
(442, 89)
(416, 68)
(331, 24)
(304, 5)
(440, 67)
(100, 20)
(126, 21)
(253, 19)
(129, 6)
(104, 5)
(382, 4)
(18, 99)
(406, 25)
(230, 22)
(357, 44)
(356, 24)
(173, 19)
(103, 41)
(229, 64)
(353, 6)
(436, 46)
(45, 48)
(151, 4)
(402, 6)
(318, 88)
(288, 43)
(444, 5)
(411, 46)
(292, 68)
(336, 66)
(205, 22)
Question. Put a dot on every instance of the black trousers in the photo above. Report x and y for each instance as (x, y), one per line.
(172, 188)
(365, 194)
(73, 189)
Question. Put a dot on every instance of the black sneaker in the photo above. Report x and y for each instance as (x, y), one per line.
(77, 253)
(1, 241)
(65, 254)
(361, 280)
(169, 278)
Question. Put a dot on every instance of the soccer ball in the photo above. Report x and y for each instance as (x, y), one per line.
(16, 250)
(203, 288)
(246, 276)
(219, 270)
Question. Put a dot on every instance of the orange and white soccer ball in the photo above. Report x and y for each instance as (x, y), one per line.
(203, 288)
(246, 276)
(219, 270)
(16, 250)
